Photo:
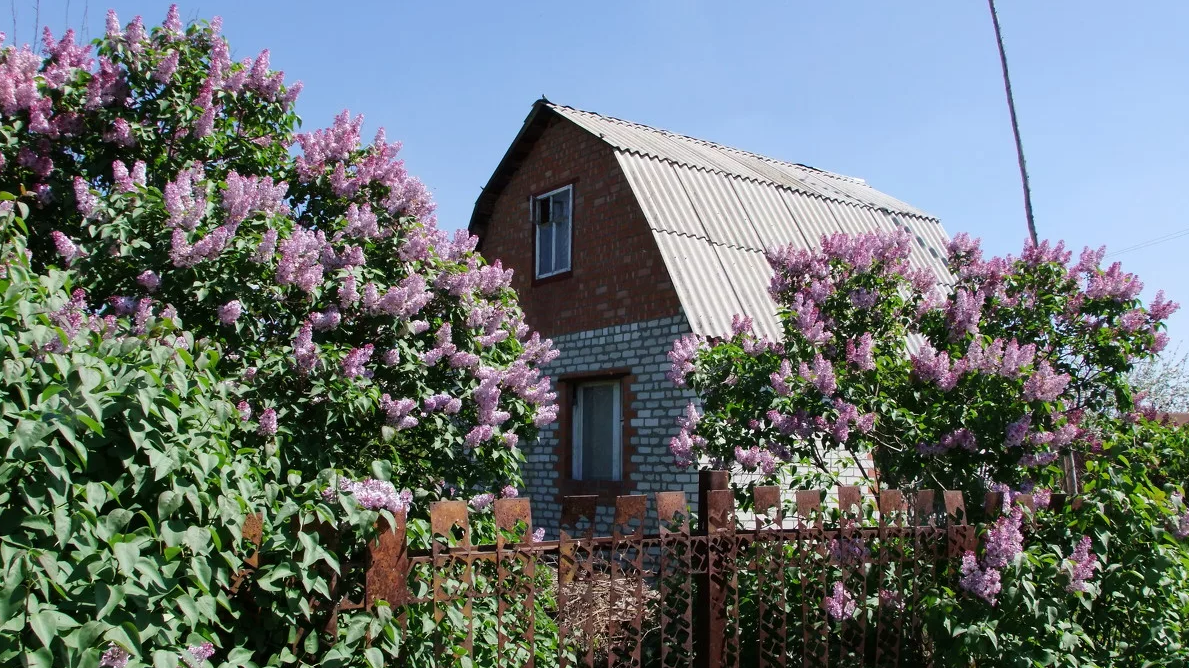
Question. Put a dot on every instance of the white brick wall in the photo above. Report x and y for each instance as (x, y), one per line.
(643, 347)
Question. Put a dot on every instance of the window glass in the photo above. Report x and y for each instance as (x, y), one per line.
(552, 219)
(597, 432)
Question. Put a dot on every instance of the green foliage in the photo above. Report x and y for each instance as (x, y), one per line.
(201, 325)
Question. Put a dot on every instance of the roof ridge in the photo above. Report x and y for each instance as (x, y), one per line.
(707, 142)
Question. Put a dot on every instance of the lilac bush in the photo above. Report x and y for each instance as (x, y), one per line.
(208, 315)
(988, 382)
(169, 177)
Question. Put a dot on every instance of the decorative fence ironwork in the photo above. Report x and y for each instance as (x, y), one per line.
(670, 594)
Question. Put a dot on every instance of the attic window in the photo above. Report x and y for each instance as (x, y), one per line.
(552, 218)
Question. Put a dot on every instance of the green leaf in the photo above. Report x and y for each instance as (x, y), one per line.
(45, 625)
(374, 657)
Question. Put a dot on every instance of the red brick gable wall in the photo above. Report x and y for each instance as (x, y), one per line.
(618, 276)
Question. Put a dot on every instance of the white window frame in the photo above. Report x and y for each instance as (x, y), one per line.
(534, 208)
(576, 444)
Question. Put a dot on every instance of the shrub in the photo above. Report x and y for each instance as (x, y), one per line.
(992, 385)
(258, 321)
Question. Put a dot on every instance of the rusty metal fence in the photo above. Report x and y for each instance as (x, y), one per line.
(660, 592)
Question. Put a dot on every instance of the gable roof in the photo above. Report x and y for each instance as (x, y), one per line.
(714, 210)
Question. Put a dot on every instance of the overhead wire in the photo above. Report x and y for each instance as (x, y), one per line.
(1150, 242)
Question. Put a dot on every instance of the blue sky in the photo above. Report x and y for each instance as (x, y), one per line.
(906, 95)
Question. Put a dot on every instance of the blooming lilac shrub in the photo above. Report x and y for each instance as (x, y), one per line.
(169, 177)
(217, 316)
(989, 382)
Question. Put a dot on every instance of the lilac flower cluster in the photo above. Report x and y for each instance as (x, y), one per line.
(848, 551)
(682, 356)
(230, 312)
(372, 494)
(840, 604)
(1004, 541)
(482, 501)
(267, 425)
(1044, 384)
(820, 375)
(982, 582)
(196, 654)
(114, 657)
(1081, 564)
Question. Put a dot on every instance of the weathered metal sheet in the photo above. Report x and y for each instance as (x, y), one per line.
(704, 287)
(714, 212)
(770, 216)
(719, 209)
(661, 195)
(704, 155)
(750, 275)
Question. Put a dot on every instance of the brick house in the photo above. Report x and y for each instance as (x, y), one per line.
(625, 237)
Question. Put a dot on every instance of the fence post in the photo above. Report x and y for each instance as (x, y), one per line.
(709, 619)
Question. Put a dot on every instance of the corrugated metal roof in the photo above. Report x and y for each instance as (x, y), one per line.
(715, 211)
(709, 156)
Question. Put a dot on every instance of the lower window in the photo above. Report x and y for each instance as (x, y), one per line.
(598, 431)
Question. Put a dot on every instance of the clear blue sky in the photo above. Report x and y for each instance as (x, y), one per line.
(906, 95)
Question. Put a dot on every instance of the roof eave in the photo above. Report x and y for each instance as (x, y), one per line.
(526, 138)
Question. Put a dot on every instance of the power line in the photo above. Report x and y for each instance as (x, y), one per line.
(1151, 242)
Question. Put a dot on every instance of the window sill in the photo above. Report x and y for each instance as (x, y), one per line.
(606, 490)
(552, 278)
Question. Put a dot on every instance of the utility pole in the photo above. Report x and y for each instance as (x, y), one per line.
(1015, 125)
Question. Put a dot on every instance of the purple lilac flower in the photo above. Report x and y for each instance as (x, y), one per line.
(1044, 384)
(300, 260)
(1041, 498)
(682, 447)
(326, 320)
(931, 366)
(84, 198)
(1082, 564)
(482, 501)
(964, 313)
(478, 435)
(397, 411)
(66, 248)
(1017, 431)
(196, 654)
(114, 657)
(840, 605)
(1161, 308)
(165, 69)
(509, 492)
(1015, 357)
(821, 375)
(245, 411)
(1181, 531)
(149, 280)
(848, 551)
(230, 312)
(1114, 284)
(1004, 542)
(684, 351)
(372, 494)
(982, 583)
(891, 599)
(305, 351)
(780, 379)
(509, 438)
(250, 374)
(545, 415)
(538, 535)
(268, 423)
(245, 196)
(861, 352)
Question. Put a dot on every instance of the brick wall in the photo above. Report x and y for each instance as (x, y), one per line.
(652, 404)
(618, 275)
